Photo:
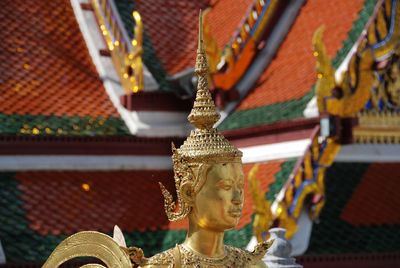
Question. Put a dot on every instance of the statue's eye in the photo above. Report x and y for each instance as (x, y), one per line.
(227, 187)
(225, 184)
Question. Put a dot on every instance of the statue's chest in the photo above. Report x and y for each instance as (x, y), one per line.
(232, 259)
(203, 264)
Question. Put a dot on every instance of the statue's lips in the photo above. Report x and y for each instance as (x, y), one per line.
(235, 213)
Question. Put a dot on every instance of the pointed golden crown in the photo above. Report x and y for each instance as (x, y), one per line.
(205, 144)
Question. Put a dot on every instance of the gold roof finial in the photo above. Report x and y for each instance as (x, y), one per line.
(204, 114)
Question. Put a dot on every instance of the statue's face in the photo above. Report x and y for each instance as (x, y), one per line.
(218, 205)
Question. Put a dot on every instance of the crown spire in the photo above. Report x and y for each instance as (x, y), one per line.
(205, 144)
(200, 46)
(204, 113)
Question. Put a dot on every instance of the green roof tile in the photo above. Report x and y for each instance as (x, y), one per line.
(22, 244)
(332, 235)
(355, 32)
(61, 125)
(266, 114)
(239, 238)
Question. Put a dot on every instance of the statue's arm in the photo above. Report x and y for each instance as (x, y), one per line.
(259, 252)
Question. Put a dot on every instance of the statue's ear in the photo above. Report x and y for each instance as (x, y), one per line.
(187, 193)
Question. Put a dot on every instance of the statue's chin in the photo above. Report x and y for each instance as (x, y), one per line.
(233, 222)
(223, 226)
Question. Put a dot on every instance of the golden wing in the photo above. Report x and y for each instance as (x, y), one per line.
(89, 244)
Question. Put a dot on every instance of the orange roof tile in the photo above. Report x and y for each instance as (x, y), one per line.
(225, 18)
(45, 67)
(70, 201)
(375, 200)
(172, 27)
(292, 73)
(45, 206)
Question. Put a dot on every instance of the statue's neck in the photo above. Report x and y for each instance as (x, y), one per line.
(205, 242)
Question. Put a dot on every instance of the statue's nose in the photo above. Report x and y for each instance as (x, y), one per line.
(237, 197)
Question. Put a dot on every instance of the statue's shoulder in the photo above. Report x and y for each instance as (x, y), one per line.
(235, 257)
(246, 258)
(238, 256)
(162, 259)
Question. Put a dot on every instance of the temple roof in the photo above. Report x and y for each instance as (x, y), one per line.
(36, 219)
(49, 84)
(50, 87)
(360, 214)
(171, 27)
(283, 90)
(39, 209)
(43, 81)
(170, 30)
(286, 86)
(224, 19)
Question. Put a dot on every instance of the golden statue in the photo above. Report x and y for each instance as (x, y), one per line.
(209, 181)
